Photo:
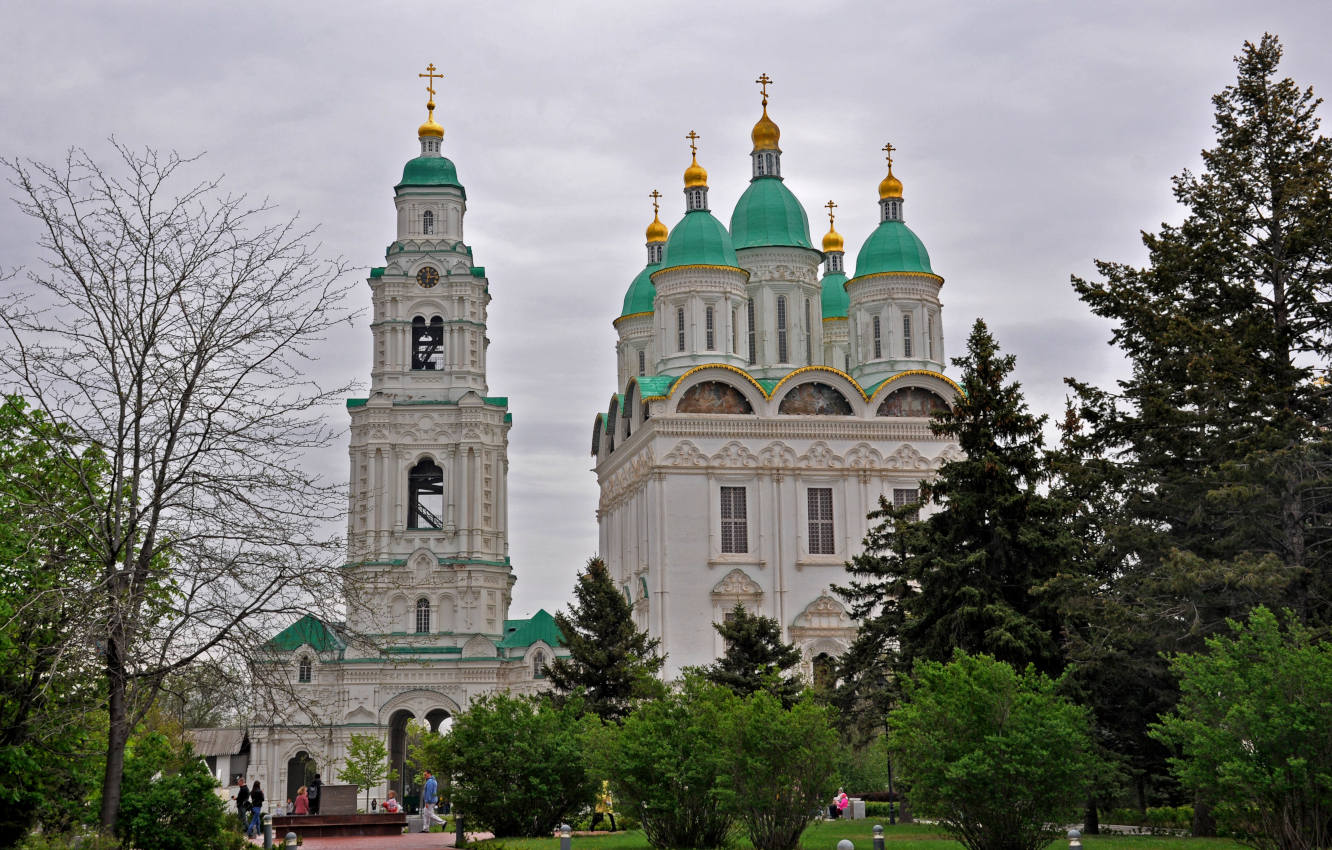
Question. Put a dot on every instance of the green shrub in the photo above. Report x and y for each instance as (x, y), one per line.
(168, 802)
(78, 840)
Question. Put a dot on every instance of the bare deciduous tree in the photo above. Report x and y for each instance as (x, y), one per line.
(174, 326)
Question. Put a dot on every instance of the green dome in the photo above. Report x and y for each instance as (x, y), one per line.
(768, 214)
(641, 293)
(892, 247)
(835, 299)
(429, 171)
(699, 240)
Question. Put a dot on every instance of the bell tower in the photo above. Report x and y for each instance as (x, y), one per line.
(427, 528)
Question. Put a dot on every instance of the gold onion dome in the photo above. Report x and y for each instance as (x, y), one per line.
(656, 231)
(832, 241)
(765, 133)
(891, 187)
(695, 175)
(430, 128)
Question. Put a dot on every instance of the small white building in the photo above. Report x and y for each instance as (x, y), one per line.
(762, 410)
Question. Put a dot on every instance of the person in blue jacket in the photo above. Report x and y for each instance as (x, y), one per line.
(429, 799)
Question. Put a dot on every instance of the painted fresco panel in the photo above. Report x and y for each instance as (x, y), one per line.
(714, 397)
(815, 400)
(911, 401)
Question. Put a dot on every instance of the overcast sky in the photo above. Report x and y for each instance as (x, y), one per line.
(1032, 137)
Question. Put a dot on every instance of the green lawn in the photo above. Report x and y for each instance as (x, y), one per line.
(826, 834)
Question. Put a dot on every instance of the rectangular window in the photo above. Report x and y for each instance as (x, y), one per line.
(709, 329)
(753, 346)
(781, 329)
(642, 363)
(820, 504)
(878, 338)
(735, 331)
(906, 335)
(929, 336)
(679, 329)
(734, 525)
(907, 496)
(809, 336)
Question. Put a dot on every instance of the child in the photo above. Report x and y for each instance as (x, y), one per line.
(302, 801)
(391, 804)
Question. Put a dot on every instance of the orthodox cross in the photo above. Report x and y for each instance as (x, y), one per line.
(655, 195)
(888, 149)
(693, 137)
(831, 206)
(764, 81)
(431, 76)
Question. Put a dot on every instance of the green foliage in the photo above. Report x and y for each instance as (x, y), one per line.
(518, 763)
(755, 657)
(168, 800)
(979, 573)
(1251, 732)
(666, 763)
(82, 839)
(47, 675)
(781, 767)
(996, 755)
(611, 663)
(1156, 817)
(366, 764)
(861, 769)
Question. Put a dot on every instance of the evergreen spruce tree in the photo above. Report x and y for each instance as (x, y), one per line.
(980, 574)
(755, 658)
(1200, 480)
(610, 662)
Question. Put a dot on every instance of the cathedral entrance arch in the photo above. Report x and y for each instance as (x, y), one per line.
(300, 770)
(435, 713)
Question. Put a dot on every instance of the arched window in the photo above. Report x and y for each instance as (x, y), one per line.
(781, 329)
(878, 338)
(906, 334)
(303, 672)
(428, 222)
(825, 672)
(427, 344)
(679, 329)
(425, 495)
(709, 329)
(539, 665)
(642, 362)
(422, 616)
(753, 343)
(809, 336)
(929, 336)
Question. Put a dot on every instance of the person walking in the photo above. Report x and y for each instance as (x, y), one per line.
(242, 799)
(313, 791)
(429, 797)
(256, 810)
(604, 808)
(302, 801)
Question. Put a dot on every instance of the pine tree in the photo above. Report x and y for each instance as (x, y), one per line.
(610, 662)
(756, 658)
(980, 573)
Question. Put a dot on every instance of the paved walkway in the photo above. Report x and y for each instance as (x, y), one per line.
(409, 841)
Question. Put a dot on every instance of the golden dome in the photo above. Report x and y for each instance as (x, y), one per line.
(832, 241)
(430, 128)
(765, 133)
(695, 175)
(656, 231)
(891, 187)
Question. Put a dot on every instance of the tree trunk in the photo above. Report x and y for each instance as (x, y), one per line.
(117, 736)
(1091, 819)
(1204, 823)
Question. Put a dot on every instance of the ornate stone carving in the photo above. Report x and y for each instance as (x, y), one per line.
(685, 453)
(737, 584)
(820, 456)
(735, 455)
(906, 457)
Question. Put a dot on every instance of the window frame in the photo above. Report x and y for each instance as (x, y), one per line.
(422, 623)
(733, 537)
(821, 529)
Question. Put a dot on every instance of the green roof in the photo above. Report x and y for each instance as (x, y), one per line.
(429, 171)
(641, 293)
(835, 299)
(377, 271)
(768, 214)
(655, 385)
(307, 630)
(527, 632)
(892, 247)
(699, 240)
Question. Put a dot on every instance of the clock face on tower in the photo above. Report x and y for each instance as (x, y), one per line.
(427, 276)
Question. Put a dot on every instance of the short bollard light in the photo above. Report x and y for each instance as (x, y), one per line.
(844, 844)
(566, 836)
(878, 837)
(1074, 840)
(268, 830)
(291, 839)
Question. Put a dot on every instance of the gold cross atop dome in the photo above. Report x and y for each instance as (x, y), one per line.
(655, 196)
(832, 240)
(430, 128)
(695, 175)
(888, 150)
(890, 186)
(656, 231)
(764, 81)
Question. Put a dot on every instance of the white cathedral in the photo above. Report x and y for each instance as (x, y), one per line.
(763, 409)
